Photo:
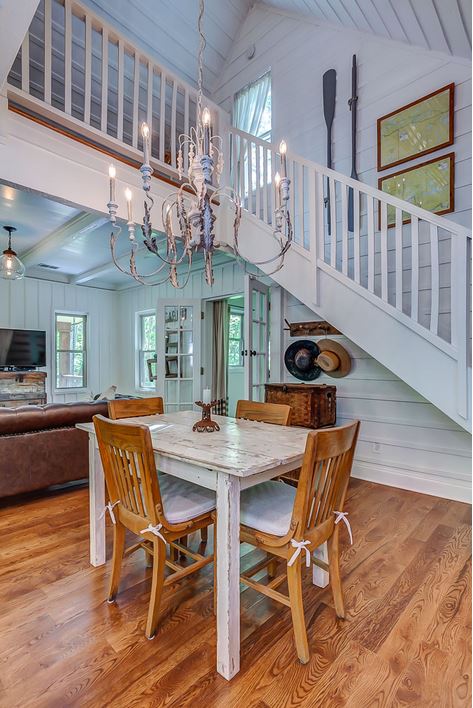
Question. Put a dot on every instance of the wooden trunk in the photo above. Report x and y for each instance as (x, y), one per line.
(18, 388)
(313, 405)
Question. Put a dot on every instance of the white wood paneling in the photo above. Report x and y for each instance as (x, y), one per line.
(441, 26)
(31, 304)
(404, 440)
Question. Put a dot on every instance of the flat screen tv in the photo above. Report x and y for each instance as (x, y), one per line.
(22, 348)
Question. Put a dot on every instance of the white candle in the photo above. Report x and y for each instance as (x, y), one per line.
(128, 197)
(282, 152)
(206, 124)
(112, 173)
(206, 397)
(146, 142)
(277, 184)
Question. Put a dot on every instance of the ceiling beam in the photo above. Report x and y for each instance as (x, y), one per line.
(57, 238)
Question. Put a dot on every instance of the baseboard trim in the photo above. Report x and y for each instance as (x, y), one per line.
(455, 489)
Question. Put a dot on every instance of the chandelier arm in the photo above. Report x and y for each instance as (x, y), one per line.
(115, 258)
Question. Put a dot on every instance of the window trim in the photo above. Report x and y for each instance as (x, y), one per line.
(85, 351)
(138, 315)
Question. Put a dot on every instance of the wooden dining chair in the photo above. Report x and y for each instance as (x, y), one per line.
(276, 413)
(134, 407)
(290, 523)
(158, 509)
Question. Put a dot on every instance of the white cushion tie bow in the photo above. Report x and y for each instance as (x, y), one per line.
(300, 546)
(342, 516)
(154, 530)
(109, 507)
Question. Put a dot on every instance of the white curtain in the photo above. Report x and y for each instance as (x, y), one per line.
(249, 104)
(220, 350)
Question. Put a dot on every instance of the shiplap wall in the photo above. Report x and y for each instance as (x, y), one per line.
(390, 75)
(32, 303)
(404, 440)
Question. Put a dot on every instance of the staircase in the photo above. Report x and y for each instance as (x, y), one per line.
(397, 285)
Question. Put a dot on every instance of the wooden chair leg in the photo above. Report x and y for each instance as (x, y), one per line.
(156, 588)
(204, 534)
(294, 582)
(272, 568)
(118, 549)
(334, 573)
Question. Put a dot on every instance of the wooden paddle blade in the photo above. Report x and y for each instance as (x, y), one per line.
(329, 91)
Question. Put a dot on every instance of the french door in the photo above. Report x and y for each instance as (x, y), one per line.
(178, 335)
(256, 351)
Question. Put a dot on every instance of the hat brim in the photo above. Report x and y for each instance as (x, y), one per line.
(329, 345)
(290, 360)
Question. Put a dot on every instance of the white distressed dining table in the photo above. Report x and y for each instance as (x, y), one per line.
(241, 454)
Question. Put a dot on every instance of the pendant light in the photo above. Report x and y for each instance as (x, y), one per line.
(11, 268)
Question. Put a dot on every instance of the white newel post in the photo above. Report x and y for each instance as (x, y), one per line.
(97, 504)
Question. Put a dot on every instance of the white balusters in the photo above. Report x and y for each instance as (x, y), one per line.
(299, 171)
(414, 268)
(258, 178)
(333, 222)
(186, 129)
(149, 98)
(88, 72)
(384, 249)
(370, 210)
(173, 123)
(136, 94)
(162, 117)
(460, 302)
(398, 228)
(344, 229)
(249, 174)
(312, 210)
(356, 235)
(48, 51)
(320, 213)
(104, 103)
(265, 184)
(68, 57)
(434, 278)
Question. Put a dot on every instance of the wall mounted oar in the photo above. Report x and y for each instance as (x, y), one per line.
(329, 91)
(352, 102)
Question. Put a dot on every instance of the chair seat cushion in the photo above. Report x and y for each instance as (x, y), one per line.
(268, 507)
(183, 500)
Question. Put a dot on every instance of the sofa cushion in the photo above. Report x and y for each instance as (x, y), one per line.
(28, 419)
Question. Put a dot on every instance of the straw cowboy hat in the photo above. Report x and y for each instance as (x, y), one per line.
(334, 360)
(300, 359)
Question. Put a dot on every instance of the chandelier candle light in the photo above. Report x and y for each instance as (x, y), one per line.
(191, 207)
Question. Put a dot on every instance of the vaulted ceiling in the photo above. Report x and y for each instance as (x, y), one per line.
(439, 25)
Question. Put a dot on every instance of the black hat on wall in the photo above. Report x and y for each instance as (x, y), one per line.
(300, 360)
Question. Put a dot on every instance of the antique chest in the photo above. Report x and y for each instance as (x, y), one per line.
(313, 405)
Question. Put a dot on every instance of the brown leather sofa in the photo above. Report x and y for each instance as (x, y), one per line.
(40, 445)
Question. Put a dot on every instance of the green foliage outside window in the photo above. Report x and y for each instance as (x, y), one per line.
(235, 338)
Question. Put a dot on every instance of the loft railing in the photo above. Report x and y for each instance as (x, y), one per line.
(412, 263)
(75, 69)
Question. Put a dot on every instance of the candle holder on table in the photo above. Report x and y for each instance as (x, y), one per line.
(206, 424)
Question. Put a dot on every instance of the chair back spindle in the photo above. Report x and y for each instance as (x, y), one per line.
(324, 476)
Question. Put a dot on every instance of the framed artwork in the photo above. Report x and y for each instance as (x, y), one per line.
(429, 185)
(416, 129)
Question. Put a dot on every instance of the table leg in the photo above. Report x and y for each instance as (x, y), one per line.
(96, 505)
(228, 575)
(320, 577)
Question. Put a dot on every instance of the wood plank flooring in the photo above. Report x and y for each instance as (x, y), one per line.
(405, 641)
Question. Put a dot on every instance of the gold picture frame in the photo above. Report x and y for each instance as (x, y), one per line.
(429, 185)
(417, 129)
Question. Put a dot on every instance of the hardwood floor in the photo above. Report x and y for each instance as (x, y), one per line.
(405, 641)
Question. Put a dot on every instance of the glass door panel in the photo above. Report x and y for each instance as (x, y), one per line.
(179, 354)
(256, 337)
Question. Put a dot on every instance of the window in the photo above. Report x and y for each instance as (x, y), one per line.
(235, 337)
(146, 326)
(252, 108)
(71, 350)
